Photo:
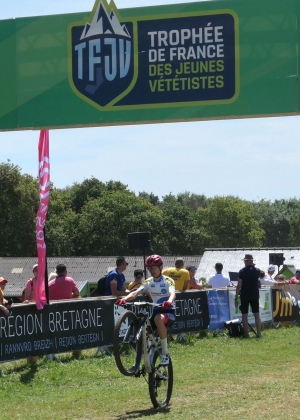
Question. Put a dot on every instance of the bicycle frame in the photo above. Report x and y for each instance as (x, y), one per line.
(149, 342)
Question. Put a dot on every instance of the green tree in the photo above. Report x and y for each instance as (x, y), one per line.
(182, 232)
(60, 224)
(294, 235)
(275, 218)
(91, 188)
(104, 223)
(230, 223)
(152, 198)
(193, 201)
(19, 201)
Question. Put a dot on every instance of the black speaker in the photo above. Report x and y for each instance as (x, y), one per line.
(276, 258)
(138, 241)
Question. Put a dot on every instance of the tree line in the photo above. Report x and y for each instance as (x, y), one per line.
(93, 218)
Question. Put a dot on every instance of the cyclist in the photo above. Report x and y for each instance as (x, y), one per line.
(161, 290)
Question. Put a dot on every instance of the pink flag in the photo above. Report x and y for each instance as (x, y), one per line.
(44, 177)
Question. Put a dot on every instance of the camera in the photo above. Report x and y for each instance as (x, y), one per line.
(9, 303)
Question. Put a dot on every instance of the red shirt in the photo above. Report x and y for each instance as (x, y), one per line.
(62, 288)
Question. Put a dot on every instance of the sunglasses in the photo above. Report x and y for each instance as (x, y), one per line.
(153, 267)
(280, 278)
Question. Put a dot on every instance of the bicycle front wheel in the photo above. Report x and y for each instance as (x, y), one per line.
(127, 349)
(160, 382)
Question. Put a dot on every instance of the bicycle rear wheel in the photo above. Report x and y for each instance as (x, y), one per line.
(127, 350)
(160, 382)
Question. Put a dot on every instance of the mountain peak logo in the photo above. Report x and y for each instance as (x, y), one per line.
(102, 55)
(104, 24)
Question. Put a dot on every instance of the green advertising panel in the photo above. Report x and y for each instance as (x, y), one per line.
(184, 62)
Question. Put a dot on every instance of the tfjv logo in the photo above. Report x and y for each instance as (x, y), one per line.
(102, 55)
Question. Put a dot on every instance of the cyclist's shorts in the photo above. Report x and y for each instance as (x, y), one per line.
(169, 319)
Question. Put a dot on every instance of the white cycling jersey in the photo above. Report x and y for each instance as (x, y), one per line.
(159, 290)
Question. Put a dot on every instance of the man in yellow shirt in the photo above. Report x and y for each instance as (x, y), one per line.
(180, 276)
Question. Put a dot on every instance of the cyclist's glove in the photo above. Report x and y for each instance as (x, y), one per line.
(166, 304)
(120, 302)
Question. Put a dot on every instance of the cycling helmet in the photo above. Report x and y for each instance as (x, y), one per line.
(153, 260)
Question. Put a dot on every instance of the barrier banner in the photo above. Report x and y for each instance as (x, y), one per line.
(265, 307)
(58, 328)
(286, 305)
(191, 312)
(218, 308)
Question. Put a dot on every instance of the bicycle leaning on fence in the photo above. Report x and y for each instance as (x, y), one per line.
(134, 340)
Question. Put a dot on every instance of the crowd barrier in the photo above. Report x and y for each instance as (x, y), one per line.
(87, 323)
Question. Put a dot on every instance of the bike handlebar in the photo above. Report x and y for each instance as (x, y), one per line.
(143, 304)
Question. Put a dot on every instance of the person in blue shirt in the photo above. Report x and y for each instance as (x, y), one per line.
(115, 280)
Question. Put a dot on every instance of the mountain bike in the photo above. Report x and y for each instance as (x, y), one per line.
(134, 340)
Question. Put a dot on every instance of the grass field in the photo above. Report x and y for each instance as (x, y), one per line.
(215, 377)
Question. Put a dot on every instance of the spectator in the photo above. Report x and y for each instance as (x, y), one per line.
(52, 276)
(193, 283)
(218, 280)
(268, 280)
(180, 276)
(161, 290)
(262, 275)
(4, 309)
(296, 278)
(281, 280)
(115, 281)
(3, 283)
(30, 286)
(138, 278)
(249, 291)
(3, 301)
(62, 287)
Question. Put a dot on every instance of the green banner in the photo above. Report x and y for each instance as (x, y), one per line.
(184, 62)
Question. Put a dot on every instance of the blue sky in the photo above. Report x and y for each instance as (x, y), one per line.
(250, 158)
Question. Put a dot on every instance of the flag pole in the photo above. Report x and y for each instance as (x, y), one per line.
(46, 272)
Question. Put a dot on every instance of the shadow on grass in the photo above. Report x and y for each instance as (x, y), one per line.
(143, 413)
(28, 376)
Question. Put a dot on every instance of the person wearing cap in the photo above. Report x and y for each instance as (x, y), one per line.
(138, 279)
(193, 283)
(115, 280)
(248, 289)
(180, 276)
(268, 279)
(218, 280)
(30, 285)
(296, 278)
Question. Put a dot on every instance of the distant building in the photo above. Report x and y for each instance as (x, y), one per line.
(232, 260)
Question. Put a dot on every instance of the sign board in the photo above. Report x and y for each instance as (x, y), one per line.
(265, 307)
(286, 305)
(183, 62)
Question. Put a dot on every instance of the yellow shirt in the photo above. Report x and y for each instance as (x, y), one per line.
(179, 275)
(134, 285)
